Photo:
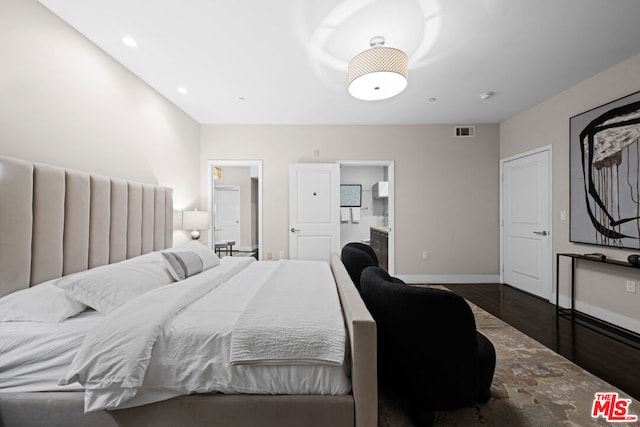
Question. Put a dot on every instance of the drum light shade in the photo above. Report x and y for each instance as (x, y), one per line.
(195, 220)
(378, 73)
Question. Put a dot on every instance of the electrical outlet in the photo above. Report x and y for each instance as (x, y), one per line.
(563, 215)
(269, 255)
(425, 255)
(316, 152)
(281, 254)
(631, 286)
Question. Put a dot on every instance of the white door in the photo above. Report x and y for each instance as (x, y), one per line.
(226, 214)
(314, 210)
(526, 238)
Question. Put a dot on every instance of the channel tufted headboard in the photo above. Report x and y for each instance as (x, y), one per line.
(56, 221)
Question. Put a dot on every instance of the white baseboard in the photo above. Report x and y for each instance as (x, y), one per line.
(603, 314)
(563, 300)
(449, 278)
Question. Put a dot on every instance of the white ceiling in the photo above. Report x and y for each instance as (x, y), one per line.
(288, 58)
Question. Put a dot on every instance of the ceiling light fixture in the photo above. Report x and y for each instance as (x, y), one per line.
(130, 41)
(182, 90)
(378, 73)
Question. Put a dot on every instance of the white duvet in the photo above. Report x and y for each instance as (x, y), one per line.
(35, 355)
(176, 340)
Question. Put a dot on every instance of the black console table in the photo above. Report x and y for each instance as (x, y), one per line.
(571, 311)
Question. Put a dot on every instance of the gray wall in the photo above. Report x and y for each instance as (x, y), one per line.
(446, 188)
(601, 291)
(64, 102)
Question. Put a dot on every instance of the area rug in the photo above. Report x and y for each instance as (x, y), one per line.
(532, 387)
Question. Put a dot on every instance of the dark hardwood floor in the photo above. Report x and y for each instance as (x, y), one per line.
(611, 355)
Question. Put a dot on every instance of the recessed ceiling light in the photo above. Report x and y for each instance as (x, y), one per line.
(486, 95)
(242, 98)
(129, 41)
(432, 99)
(182, 90)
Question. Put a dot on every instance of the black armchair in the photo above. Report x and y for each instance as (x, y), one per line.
(356, 257)
(428, 348)
(366, 248)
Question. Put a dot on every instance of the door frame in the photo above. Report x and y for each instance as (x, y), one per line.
(391, 201)
(549, 150)
(211, 163)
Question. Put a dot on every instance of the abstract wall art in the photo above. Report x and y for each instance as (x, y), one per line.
(605, 174)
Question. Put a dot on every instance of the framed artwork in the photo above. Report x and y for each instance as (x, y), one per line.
(350, 195)
(604, 157)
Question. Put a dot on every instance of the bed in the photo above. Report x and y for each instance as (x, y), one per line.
(56, 222)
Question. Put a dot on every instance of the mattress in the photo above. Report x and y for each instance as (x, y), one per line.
(35, 356)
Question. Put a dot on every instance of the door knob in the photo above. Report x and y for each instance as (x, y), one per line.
(540, 233)
(293, 230)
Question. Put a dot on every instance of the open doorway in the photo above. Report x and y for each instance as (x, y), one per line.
(235, 203)
(372, 221)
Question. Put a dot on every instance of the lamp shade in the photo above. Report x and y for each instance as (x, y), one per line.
(195, 220)
(378, 73)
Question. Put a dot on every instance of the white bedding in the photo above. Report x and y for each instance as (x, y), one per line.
(193, 347)
(168, 375)
(35, 355)
(293, 318)
(112, 361)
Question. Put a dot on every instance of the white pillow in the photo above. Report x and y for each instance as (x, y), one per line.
(110, 286)
(209, 257)
(41, 303)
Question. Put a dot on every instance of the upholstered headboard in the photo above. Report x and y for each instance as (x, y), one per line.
(55, 221)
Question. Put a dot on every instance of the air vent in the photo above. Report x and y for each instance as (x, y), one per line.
(465, 131)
